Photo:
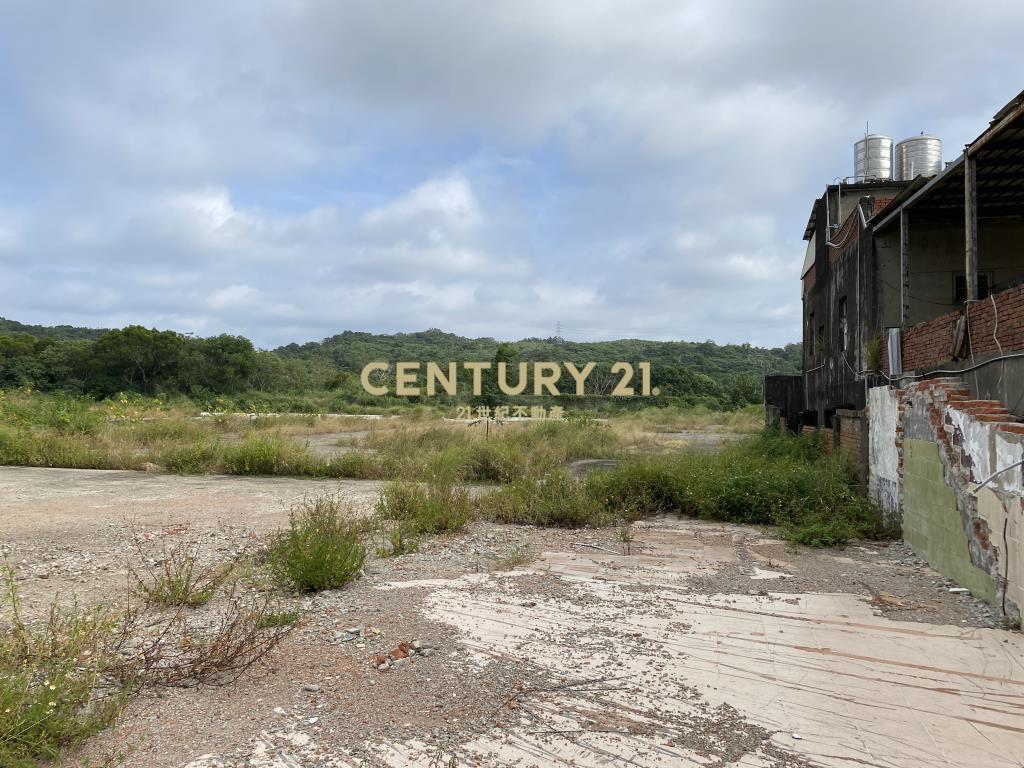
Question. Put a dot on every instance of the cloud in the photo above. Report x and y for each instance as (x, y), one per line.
(291, 170)
(234, 297)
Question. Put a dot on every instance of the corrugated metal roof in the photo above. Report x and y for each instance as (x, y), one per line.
(999, 156)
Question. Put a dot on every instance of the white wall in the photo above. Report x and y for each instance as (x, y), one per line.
(883, 454)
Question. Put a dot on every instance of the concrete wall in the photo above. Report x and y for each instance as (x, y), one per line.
(937, 254)
(884, 440)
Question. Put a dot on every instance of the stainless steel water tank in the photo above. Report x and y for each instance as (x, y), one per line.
(872, 158)
(918, 156)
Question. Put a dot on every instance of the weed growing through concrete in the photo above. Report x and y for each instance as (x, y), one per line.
(179, 578)
(626, 537)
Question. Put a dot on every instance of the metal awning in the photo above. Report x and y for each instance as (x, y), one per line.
(999, 157)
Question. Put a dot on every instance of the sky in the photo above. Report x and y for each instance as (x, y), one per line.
(289, 170)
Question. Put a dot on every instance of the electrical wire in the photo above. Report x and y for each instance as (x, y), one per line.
(995, 338)
(982, 364)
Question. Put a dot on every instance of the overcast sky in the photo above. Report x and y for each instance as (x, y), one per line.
(289, 170)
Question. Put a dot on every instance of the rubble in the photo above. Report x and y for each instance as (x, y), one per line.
(400, 654)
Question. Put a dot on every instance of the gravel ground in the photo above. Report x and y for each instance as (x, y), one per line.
(320, 700)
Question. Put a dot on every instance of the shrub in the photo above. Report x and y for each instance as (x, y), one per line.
(61, 413)
(52, 692)
(319, 550)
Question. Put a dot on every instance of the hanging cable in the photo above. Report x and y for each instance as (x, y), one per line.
(995, 338)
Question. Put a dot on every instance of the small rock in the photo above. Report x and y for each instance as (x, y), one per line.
(311, 688)
(426, 651)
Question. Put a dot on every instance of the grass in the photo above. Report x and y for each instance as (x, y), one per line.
(747, 419)
(57, 431)
(517, 556)
(508, 453)
(408, 510)
(319, 550)
(761, 480)
(769, 479)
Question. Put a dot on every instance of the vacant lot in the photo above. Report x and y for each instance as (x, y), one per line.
(663, 643)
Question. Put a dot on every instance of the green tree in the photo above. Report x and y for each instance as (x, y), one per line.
(135, 359)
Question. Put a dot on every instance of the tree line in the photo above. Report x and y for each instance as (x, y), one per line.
(101, 363)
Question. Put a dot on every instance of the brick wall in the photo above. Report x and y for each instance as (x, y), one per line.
(930, 344)
(849, 437)
(852, 427)
(809, 280)
(828, 439)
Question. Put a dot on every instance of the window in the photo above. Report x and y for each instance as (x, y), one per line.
(844, 328)
(960, 287)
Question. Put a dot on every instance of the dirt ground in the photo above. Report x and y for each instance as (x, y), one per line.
(694, 644)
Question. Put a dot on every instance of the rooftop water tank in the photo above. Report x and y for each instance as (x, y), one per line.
(872, 158)
(918, 156)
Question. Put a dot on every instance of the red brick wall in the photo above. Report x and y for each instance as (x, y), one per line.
(879, 203)
(827, 439)
(808, 280)
(930, 344)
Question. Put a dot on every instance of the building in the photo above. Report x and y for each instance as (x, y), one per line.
(913, 348)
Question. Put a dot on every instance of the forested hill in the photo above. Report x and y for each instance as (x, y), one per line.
(58, 332)
(148, 361)
(351, 350)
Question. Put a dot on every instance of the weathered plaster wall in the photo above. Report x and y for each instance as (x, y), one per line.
(884, 432)
(1004, 516)
(940, 444)
(931, 520)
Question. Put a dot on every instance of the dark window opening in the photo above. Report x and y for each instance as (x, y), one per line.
(960, 287)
